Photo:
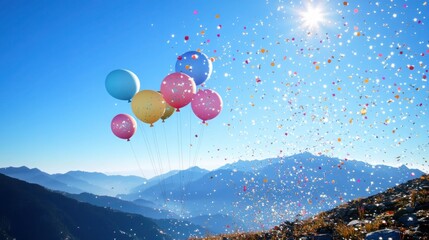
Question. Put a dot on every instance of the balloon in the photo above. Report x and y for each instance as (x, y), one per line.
(148, 106)
(122, 84)
(178, 89)
(195, 64)
(123, 126)
(206, 104)
(169, 110)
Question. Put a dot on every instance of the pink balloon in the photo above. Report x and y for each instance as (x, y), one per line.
(123, 126)
(178, 89)
(206, 104)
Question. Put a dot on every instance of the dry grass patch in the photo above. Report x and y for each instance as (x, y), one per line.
(347, 232)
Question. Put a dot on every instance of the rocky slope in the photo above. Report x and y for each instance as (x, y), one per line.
(400, 213)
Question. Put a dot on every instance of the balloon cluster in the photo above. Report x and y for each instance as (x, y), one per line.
(177, 90)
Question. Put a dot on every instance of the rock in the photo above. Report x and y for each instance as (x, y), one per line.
(422, 206)
(384, 234)
(381, 207)
(388, 205)
(267, 236)
(325, 230)
(372, 208)
(423, 214)
(408, 220)
(423, 226)
(287, 228)
(323, 237)
(419, 235)
(346, 214)
(402, 211)
(423, 220)
(355, 222)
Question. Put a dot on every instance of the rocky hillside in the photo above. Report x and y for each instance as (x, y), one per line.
(401, 212)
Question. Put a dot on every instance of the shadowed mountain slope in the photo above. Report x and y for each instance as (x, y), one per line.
(29, 211)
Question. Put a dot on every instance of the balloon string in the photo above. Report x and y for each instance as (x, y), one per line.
(200, 141)
(151, 155)
(191, 146)
(149, 150)
(196, 153)
(192, 159)
(168, 155)
(153, 162)
(157, 152)
(167, 148)
(188, 177)
(179, 147)
(137, 161)
(161, 167)
(190, 141)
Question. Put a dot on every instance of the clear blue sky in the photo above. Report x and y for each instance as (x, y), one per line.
(319, 63)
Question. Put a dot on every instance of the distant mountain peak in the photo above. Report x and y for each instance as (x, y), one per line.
(196, 169)
(22, 168)
(403, 167)
(84, 172)
(308, 155)
(305, 153)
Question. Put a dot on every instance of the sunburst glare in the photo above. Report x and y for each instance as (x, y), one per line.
(313, 16)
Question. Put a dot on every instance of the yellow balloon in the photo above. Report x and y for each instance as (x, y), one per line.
(169, 110)
(148, 106)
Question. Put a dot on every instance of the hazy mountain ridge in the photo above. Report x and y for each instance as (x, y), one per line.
(29, 211)
(213, 224)
(160, 184)
(82, 185)
(121, 205)
(174, 227)
(76, 181)
(36, 176)
(253, 195)
(280, 188)
(115, 184)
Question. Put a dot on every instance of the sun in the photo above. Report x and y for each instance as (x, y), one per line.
(312, 17)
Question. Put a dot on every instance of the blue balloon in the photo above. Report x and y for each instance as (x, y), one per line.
(196, 65)
(122, 84)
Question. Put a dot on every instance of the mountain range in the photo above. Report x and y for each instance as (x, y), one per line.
(29, 211)
(242, 196)
(77, 181)
(258, 194)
